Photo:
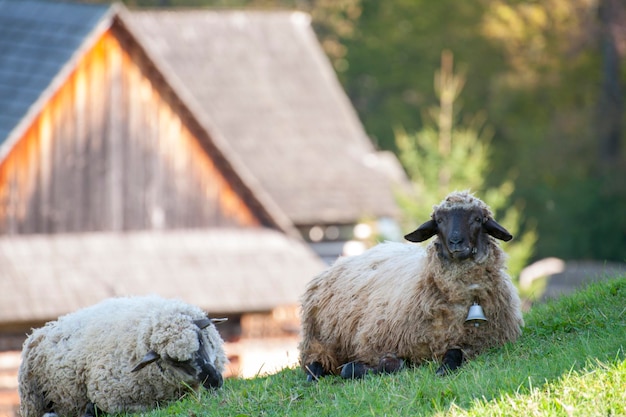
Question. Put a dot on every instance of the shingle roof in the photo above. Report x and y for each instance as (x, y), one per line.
(221, 270)
(258, 82)
(261, 81)
(37, 40)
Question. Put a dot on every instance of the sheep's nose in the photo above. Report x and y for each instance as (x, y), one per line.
(455, 240)
(210, 377)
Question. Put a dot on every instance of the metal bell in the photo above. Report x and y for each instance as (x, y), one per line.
(475, 315)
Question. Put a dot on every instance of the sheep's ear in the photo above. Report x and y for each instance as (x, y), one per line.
(150, 357)
(425, 231)
(202, 323)
(494, 229)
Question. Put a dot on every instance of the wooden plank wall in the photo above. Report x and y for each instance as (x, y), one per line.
(111, 151)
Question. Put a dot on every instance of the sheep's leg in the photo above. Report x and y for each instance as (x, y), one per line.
(389, 364)
(452, 360)
(315, 371)
(355, 370)
(90, 410)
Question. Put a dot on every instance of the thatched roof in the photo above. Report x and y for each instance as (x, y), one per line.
(261, 81)
(220, 270)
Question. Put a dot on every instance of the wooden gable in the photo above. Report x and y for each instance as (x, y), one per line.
(115, 149)
(263, 80)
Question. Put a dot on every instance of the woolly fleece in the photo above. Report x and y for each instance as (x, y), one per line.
(87, 356)
(402, 300)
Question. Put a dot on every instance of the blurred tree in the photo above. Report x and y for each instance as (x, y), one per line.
(395, 48)
(611, 103)
(545, 98)
(446, 155)
(559, 110)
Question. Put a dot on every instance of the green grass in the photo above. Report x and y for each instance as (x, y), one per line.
(570, 361)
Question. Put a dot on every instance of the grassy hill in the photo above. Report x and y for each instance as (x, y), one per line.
(570, 361)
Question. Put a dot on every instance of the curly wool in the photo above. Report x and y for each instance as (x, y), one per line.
(462, 200)
(402, 300)
(87, 357)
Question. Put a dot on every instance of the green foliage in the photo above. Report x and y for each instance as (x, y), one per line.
(445, 156)
(536, 69)
(570, 361)
(546, 107)
(585, 218)
(393, 51)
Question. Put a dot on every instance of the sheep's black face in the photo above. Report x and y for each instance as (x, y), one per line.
(463, 233)
(207, 375)
(195, 371)
(200, 369)
(460, 233)
(201, 366)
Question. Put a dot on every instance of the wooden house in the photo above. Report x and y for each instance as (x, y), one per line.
(255, 89)
(261, 81)
(95, 138)
(185, 153)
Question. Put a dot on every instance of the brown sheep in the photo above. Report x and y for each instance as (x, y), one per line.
(400, 303)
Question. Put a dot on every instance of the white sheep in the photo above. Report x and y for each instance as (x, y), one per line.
(400, 303)
(98, 358)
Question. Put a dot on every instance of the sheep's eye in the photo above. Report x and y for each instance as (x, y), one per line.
(479, 219)
(439, 220)
(185, 366)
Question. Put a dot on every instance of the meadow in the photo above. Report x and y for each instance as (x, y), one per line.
(570, 361)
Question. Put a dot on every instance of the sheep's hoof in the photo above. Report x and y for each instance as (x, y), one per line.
(314, 371)
(354, 370)
(452, 360)
(389, 364)
(90, 410)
